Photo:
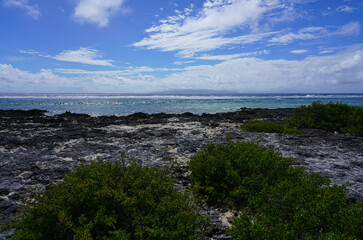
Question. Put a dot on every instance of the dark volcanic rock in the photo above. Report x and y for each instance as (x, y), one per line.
(22, 113)
(36, 149)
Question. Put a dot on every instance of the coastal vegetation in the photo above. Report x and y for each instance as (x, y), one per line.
(269, 127)
(274, 199)
(123, 200)
(331, 117)
(109, 200)
(233, 172)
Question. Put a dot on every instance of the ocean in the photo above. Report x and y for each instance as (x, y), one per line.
(124, 104)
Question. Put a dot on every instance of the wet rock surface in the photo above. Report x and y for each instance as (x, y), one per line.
(36, 149)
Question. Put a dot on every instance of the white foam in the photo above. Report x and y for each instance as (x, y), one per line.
(149, 96)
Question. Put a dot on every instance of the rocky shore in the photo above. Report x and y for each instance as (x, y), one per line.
(37, 149)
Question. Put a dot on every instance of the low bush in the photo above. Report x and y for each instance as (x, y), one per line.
(275, 200)
(331, 117)
(108, 200)
(302, 209)
(231, 173)
(268, 127)
(291, 131)
(263, 126)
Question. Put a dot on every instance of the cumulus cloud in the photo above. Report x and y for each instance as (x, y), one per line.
(31, 10)
(97, 11)
(340, 72)
(12, 79)
(318, 73)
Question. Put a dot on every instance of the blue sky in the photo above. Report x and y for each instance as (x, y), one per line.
(126, 46)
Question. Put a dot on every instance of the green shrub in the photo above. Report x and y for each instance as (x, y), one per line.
(268, 127)
(231, 173)
(300, 210)
(291, 131)
(275, 200)
(332, 117)
(108, 200)
(262, 126)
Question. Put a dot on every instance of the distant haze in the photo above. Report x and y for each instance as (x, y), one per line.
(197, 92)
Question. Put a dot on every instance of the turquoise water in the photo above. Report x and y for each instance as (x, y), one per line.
(121, 104)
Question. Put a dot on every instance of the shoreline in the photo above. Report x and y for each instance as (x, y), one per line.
(245, 110)
(114, 104)
(37, 149)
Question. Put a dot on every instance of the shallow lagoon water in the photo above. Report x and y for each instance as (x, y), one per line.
(124, 104)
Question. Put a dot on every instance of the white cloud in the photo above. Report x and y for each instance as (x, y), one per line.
(34, 53)
(345, 8)
(232, 24)
(15, 58)
(342, 8)
(352, 28)
(82, 55)
(13, 79)
(97, 11)
(302, 34)
(142, 69)
(223, 17)
(299, 51)
(340, 72)
(31, 10)
(326, 51)
(209, 28)
(182, 62)
(188, 45)
(128, 71)
(16, 80)
(86, 72)
(286, 14)
(230, 56)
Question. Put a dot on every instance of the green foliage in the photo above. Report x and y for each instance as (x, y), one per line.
(302, 209)
(332, 117)
(233, 172)
(108, 200)
(276, 201)
(262, 126)
(291, 131)
(268, 127)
